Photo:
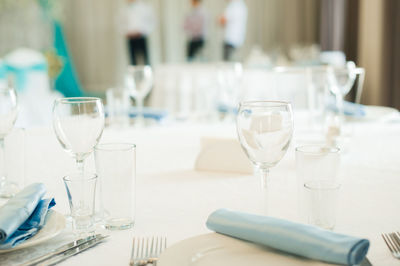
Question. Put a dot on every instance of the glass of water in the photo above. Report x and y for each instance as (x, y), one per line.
(265, 130)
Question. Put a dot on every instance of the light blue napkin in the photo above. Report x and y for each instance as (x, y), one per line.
(23, 215)
(349, 108)
(300, 239)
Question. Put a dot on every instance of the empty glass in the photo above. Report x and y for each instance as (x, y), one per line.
(115, 165)
(81, 192)
(78, 124)
(265, 130)
(118, 105)
(321, 203)
(315, 163)
(139, 81)
(8, 115)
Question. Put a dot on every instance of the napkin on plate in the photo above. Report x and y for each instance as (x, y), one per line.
(23, 215)
(300, 239)
(222, 155)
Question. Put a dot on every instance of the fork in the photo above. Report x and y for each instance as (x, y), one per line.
(392, 240)
(147, 250)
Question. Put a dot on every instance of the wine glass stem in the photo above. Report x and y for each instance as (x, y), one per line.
(339, 103)
(264, 180)
(3, 174)
(80, 166)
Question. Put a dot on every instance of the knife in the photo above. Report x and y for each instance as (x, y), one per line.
(61, 249)
(73, 251)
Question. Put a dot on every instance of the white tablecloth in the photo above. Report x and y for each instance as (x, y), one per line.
(174, 200)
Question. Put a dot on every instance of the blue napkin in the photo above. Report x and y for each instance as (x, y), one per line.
(349, 108)
(23, 216)
(152, 113)
(303, 240)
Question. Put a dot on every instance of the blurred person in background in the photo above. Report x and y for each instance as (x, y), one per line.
(196, 28)
(234, 21)
(140, 22)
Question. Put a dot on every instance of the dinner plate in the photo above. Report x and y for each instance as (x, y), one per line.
(54, 225)
(215, 249)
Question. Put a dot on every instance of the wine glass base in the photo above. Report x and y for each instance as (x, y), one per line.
(8, 189)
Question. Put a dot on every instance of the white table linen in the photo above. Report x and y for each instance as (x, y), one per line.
(174, 200)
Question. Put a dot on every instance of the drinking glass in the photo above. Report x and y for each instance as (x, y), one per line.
(78, 124)
(8, 115)
(341, 80)
(229, 76)
(265, 130)
(115, 165)
(139, 80)
(81, 191)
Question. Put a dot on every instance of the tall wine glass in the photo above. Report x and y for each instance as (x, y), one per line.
(265, 130)
(78, 124)
(341, 80)
(8, 115)
(139, 81)
(229, 76)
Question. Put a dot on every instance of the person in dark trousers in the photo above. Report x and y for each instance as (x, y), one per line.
(195, 27)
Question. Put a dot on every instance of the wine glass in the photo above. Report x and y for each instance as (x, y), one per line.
(8, 115)
(139, 81)
(78, 124)
(265, 129)
(341, 80)
(229, 76)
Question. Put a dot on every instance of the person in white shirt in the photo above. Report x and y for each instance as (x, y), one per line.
(196, 28)
(140, 22)
(234, 20)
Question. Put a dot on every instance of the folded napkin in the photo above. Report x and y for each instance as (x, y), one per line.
(349, 108)
(23, 215)
(303, 240)
(151, 113)
(222, 155)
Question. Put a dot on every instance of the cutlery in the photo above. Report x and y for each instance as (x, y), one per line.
(392, 240)
(147, 250)
(71, 252)
(61, 249)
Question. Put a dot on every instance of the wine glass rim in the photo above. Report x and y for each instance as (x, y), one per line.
(78, 99)
(316, 149)
(264, 103)
(72, 177)
(115, 146)
(142, 67)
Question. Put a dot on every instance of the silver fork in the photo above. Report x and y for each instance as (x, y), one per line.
(392, 240)
(147, 250)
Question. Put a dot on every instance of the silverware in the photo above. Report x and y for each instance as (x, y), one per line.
(147, 250)
(61, 249)
(392, 240)
(73, 251)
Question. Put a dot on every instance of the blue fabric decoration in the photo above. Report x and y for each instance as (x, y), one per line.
(67, 82)
(300, 239)
(21, 73)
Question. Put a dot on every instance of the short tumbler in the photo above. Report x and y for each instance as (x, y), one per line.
(81, 192)
(115, 165)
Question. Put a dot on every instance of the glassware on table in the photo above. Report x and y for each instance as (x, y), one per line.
(139, 81)
(341, 80)
(8, 116)
(115, 165)
(81, 192)
(78, 124)
(321, 202)
(315, 163)
(265, 130)
(229, 77)
(118, 105)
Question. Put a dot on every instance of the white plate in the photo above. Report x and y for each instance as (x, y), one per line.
(216, 249)
(54, 225)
